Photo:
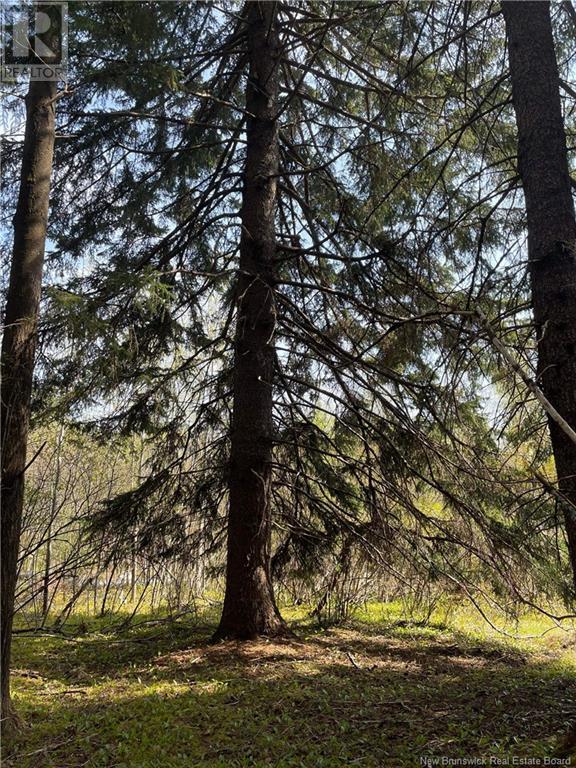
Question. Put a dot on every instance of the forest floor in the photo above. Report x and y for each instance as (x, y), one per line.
(377, 691)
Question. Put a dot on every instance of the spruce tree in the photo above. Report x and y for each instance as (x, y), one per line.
(19, 339)
(551, 222)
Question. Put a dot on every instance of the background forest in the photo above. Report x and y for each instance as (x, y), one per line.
(289, 385)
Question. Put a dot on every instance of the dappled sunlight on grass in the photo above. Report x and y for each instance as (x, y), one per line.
(368, 693)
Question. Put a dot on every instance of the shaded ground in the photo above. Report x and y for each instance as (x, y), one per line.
(362, 695)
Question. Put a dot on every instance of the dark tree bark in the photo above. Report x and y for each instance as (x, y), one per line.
(19, 342)
(249, 607)
(543, 166)
(567, 748)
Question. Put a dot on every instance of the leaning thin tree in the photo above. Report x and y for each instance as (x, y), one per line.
(249, 606)
(543, 166)
(19, 341)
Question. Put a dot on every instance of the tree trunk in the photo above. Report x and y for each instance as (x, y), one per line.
(249, 606)
(543, 166)
(19, 342)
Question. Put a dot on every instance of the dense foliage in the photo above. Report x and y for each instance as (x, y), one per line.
(404, 443)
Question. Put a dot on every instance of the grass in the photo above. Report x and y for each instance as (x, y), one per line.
(378, 691)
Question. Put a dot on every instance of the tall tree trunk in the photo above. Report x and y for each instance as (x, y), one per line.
(543, 166)
(249, 606)
(19, 342)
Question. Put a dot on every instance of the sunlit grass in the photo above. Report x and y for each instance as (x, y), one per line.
(380, 690)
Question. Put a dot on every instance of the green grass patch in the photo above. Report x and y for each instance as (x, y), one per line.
(379, 691)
